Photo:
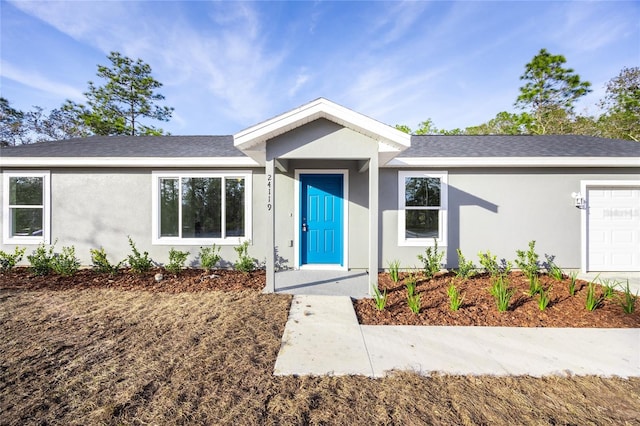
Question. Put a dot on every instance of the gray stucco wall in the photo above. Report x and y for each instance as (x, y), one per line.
(501, 210)
(100, 207)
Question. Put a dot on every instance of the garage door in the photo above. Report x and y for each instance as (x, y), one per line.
(613, 229)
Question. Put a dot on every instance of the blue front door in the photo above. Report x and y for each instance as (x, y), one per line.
(321, 219)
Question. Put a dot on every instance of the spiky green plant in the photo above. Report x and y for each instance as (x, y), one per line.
(379, 298)
(544, 297)
(628, 300)
(394, 270)
(592, 302)
(501, 292)
(455, 298)
(573, 280)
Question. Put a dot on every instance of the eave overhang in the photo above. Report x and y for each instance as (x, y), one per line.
(252, 141)
(514, 162)
(127, 162)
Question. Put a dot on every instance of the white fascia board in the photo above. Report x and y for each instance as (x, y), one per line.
(321, 108)
(514, 162)
(127, 162)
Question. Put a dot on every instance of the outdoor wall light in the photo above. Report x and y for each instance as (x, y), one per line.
(578, 200)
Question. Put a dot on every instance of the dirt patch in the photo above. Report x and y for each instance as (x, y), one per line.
(113, 357)
(189, 280)
(479, 308)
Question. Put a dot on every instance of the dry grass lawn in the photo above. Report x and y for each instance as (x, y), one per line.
(113, 357)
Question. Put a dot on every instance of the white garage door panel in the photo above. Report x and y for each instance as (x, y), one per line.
(613, 234)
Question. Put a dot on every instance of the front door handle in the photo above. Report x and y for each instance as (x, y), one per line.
(304, 227)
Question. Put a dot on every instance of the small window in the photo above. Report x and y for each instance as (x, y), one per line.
(422, 208)
(26, 207)
(201, 208)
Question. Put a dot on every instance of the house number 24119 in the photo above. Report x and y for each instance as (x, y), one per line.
(269, 182)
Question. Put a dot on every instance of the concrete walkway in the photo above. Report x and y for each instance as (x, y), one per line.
(322, 337)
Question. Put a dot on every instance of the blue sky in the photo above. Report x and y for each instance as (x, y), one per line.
(228, 65)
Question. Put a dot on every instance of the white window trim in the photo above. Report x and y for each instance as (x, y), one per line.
(156, 239)
(442, 212)
(46, 209)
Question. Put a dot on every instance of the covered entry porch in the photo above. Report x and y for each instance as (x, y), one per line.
(321, 158)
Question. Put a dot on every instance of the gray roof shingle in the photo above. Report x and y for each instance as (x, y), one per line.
(421, 146)
(519, 146)
(130, 146)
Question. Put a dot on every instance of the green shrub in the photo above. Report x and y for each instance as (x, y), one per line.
(455, 299)
(209, 257)
(527, 261)
(9, 260)
(501, 292)
(489, 263)
(177, 259)
(432, 260)
(139, 263)
(40, 260)
(65, 263)
(101, 263)
(245, 263)
(466, 269)
(394, 270)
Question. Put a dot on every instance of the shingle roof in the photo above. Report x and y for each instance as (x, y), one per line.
(421, 146)
(130, 146)
(519, 146)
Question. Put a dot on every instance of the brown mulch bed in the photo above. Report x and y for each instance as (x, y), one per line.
(189, 280)
(479, 307)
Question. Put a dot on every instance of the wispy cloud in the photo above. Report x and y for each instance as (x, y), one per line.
(37, 81)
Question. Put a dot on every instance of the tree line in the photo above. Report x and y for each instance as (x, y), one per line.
(119, 106)
(547, 105)
(128, 98)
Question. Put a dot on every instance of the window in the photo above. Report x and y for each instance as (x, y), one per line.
(202, 208)
(26, 207)
(422, 208)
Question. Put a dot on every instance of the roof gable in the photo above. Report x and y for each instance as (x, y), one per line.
(253, 139)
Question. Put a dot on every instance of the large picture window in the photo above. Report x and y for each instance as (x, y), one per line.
(422, 208)
(202, 208)
(26, 207)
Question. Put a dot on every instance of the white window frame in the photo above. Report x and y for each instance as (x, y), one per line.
(442, 210)
(155, 214)
(45, 238)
